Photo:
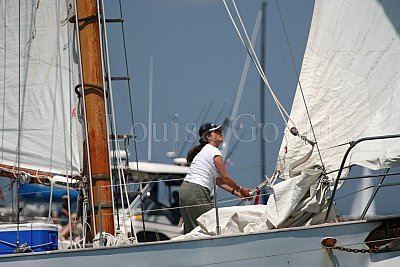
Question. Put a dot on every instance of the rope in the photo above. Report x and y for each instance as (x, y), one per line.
(108, 102)
(300, 86)
(130, 98)
(128, 81)
(107, 240)
(256, 62)
(68, 168)
(355, 192)
(57, 65)
(4, 82)
(19, 122)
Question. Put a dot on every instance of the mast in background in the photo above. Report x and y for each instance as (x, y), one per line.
(262, 94)
(92, 71)
(150, 132)
(232, 118)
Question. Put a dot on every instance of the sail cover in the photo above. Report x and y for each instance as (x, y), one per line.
(351, 82)
(38, 110)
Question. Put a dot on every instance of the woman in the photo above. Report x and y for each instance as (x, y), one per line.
(206, 166)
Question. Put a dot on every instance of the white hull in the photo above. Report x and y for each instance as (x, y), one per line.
(299, 246)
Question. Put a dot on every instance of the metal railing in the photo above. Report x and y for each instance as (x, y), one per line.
(338, 178)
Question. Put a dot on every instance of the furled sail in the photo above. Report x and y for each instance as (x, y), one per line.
(39, 114)
(351, 82)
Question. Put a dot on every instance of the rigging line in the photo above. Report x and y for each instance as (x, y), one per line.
(336, 170)
(108, 102)
(231, 123)
(253, 53)
(68, 166)
(260, 71)
(4, 81)
(37, 59)
(131, 106)
(156, 181)
(300, 86)
(355, 192)
(275, 192)
(129, 85)
(339, 145)
(116, 153)
(19, 121)
(85, 121)
(259, 67)
(179, 179)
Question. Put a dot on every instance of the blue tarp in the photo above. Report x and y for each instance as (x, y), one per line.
(41, 192)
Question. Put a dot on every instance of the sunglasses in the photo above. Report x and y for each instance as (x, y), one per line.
(218, 131)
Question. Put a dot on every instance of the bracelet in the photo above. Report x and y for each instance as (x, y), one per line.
(233, 191)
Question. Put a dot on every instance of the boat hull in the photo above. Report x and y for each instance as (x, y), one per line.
(300, 246)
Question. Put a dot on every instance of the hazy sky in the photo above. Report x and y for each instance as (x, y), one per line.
(198, 61)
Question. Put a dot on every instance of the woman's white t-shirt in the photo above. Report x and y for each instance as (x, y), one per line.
(202, 171)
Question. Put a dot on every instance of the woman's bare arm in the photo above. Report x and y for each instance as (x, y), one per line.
(226, 182)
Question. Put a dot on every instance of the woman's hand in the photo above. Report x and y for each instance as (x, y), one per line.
(245, 193)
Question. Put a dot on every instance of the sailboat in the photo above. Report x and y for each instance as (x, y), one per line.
(350, 71)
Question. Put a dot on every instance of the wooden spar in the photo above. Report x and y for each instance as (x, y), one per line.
(12, 173)
(92, 69)
(35, 176)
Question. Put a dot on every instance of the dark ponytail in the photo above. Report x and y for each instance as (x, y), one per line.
(195, 150)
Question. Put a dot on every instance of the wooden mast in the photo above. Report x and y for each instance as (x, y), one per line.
(92, 71)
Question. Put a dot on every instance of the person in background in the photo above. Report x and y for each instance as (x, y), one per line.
(2, 204)
(62, 213)
(176, 214)
(63, 219)
(206, 165)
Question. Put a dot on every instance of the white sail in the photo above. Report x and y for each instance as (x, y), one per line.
(351, 82)
(37, 87)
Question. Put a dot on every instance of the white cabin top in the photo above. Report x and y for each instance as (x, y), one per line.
(158, 168)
